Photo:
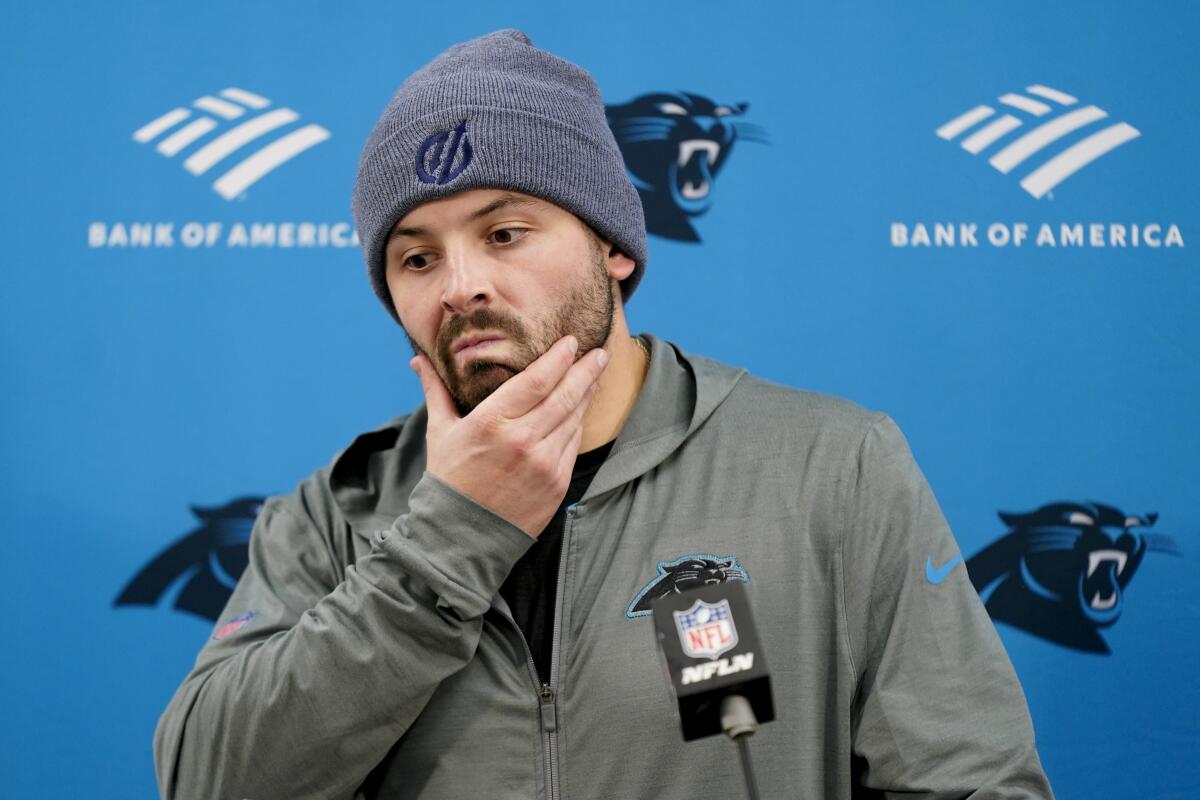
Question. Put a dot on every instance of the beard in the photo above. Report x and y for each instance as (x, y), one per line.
(586, 313)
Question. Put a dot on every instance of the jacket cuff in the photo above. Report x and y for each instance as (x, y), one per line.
(465, 549)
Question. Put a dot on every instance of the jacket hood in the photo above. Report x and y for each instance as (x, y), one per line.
(371, 479)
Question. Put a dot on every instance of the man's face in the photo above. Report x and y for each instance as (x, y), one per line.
(487, 280)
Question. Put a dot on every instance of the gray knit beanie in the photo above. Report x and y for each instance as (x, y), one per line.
(496, 113)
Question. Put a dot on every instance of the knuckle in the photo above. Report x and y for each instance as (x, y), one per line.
(544, 470)
(522, 441)
(540, 383)
(487, 425)
(566, 402)
(563, 476)
(551, 464)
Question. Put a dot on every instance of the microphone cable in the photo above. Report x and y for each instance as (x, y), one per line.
(739, 723)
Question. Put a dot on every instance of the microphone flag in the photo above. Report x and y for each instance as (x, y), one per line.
(710, 649)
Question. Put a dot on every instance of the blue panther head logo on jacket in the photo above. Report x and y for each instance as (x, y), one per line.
(1061, 571)
(674, 145)
(687, 572)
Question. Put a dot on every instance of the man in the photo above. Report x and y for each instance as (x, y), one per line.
(456, 606)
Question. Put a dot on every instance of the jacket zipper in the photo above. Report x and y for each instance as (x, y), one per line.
(548, 718)
(549, 690)
(546, 691)
(549, 726)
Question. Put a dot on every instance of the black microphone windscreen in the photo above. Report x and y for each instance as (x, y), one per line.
(710, 650)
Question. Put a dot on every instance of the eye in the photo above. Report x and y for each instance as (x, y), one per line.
(723, 111)
(504, 236)
(418, 262)
(672, 108)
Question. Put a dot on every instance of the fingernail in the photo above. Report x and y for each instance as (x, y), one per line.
(573, 343)
(603, 358)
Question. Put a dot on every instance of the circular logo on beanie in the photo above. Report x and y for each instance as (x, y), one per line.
(444, 156)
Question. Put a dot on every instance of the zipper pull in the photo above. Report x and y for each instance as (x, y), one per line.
(549, 714)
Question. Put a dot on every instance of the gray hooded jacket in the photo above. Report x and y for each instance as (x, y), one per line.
(372, 656)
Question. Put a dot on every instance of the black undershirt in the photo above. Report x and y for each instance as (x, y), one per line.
(530, 588)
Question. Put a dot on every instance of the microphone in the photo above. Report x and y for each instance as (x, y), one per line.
(714, 663)
(710, 651)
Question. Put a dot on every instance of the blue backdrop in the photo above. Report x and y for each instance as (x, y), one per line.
(161, 352)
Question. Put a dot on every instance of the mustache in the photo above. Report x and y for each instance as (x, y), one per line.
(482, 319)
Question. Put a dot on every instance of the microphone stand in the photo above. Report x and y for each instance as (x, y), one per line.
(739, 723)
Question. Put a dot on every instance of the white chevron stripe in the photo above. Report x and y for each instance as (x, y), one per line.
(204, 158)
(1043, 135)
(1025, 104)
(154, 128)
(1062, 98)
(245, 174)
(963, 121)
(219, 107)
(186, 135)
(1076, 157)
(990, 133)
(245, 98)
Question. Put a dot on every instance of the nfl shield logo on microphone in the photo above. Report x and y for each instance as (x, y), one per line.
(706, 630)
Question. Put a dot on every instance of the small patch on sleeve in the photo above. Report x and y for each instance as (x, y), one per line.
(234, 625)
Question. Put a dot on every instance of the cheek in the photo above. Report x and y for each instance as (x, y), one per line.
(419, 327)
(548, 280)
(413, 305)
(418, 321)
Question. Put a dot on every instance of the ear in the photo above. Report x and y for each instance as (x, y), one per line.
(620, 266)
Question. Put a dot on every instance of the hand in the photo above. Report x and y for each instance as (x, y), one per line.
(514, 452)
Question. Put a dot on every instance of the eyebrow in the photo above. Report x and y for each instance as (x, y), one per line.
(503, 201)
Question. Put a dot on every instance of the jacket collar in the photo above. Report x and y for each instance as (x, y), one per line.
(680, 392)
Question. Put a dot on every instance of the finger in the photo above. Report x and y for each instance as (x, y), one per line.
(572, 425)
(437, 399)
(568, 395)
(526, 389)
(571, 451)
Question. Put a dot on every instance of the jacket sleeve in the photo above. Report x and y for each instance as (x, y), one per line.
(319, 684)
(939, 712)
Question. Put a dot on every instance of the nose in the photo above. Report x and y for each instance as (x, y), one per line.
(467, 287)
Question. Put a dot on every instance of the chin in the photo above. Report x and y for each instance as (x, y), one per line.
(481, 379)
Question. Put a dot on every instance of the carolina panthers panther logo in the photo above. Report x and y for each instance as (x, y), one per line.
(198, 573)
(682, 574)
(674, 146)
(1061, 571)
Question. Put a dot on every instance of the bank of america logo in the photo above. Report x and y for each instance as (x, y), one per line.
(173, 137)
(1014, 152)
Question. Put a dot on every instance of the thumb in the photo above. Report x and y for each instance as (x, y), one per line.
(437, 399)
